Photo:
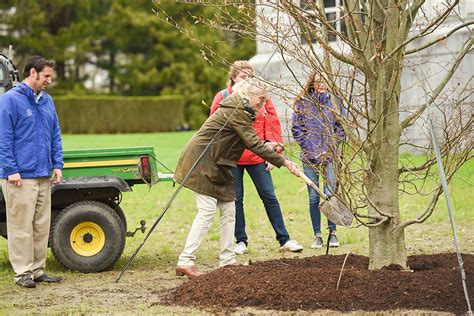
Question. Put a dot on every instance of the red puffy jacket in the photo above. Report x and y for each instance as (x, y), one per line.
(267, 126)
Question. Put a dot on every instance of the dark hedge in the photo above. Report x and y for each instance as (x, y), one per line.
(119, 114)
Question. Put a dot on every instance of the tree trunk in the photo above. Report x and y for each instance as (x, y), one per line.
(386, 248)
(61, 70)
(386, 245)
(112, 71)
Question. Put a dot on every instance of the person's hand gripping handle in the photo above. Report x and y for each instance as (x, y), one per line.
(294, 169)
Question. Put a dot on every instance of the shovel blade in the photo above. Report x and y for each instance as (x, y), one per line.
(337, 212)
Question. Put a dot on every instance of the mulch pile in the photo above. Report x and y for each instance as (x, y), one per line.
(310, 284)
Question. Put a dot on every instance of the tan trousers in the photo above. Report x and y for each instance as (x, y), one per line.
(207, 207)
(28, 222)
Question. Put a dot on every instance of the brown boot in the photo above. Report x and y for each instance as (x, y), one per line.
(236, 263)
(190, 271)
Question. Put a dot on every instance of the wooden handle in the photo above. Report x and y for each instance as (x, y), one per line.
(312, 184)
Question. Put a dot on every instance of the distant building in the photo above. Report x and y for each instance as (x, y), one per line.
(275, 67)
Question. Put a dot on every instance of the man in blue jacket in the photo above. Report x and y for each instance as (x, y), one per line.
(30, 158)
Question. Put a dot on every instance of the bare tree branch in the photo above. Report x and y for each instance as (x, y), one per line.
(412, 118)
(451, 32)
(425, 165)
(428, 29)
(304, 25)
(426, 213)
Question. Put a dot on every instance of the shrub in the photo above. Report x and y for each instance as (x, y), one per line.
(119, 114)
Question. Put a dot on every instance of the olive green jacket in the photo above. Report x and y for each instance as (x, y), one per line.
(212, 176)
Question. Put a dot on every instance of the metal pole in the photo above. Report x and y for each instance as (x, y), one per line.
(444, 183)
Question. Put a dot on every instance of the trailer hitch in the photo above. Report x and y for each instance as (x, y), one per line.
(142, 228)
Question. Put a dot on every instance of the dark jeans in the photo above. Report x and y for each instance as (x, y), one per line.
(312, 172)
(264, 184)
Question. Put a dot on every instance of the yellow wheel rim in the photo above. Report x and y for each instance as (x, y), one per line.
(87, 239)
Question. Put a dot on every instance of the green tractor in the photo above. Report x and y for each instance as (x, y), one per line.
(88, 225)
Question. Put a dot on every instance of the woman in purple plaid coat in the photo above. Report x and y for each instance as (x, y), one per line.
(316, 129)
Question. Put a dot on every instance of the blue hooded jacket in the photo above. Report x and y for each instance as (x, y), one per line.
(316, 129)
(30, 137)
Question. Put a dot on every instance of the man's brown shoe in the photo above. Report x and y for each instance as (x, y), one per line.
(236, 263)
(190, 271)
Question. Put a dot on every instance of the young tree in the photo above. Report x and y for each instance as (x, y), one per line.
(361, 50)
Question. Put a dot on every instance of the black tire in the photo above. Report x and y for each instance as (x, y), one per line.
(120, 213)
(88, 236)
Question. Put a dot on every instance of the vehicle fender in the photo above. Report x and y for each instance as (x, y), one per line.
(92, 182)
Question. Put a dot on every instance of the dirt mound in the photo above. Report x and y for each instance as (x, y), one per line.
(310, 284)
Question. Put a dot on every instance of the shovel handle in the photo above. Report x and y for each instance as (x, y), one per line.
(313, 185)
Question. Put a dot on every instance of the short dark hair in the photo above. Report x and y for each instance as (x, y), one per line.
(37, 62)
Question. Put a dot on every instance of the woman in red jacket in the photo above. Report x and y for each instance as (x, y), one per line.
(267, 127)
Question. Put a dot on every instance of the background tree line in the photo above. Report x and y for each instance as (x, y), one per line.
(139, 53)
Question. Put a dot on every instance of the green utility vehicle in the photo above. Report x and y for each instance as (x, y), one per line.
(8, 74)
(88, 226)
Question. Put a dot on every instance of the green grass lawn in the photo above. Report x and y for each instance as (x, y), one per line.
(167, 146)
(170, 234)
(164, 245)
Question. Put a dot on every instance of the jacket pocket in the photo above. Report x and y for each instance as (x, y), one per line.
(221, 175)
(25, 156)
(221, 161)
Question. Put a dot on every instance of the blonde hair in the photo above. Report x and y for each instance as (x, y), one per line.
(250, 87)
(237, 66)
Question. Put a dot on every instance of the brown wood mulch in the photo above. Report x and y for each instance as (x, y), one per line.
(433, 284)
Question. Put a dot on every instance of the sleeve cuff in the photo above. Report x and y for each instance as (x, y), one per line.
(10, 171)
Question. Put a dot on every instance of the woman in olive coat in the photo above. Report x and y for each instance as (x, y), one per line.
(212, 180)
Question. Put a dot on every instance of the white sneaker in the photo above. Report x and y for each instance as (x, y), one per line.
(240, 249)
(291, 245)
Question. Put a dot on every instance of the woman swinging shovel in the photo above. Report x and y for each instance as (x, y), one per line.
(212, 180)
(205, 168)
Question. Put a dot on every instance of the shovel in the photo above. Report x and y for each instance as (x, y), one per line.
(333, 208)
